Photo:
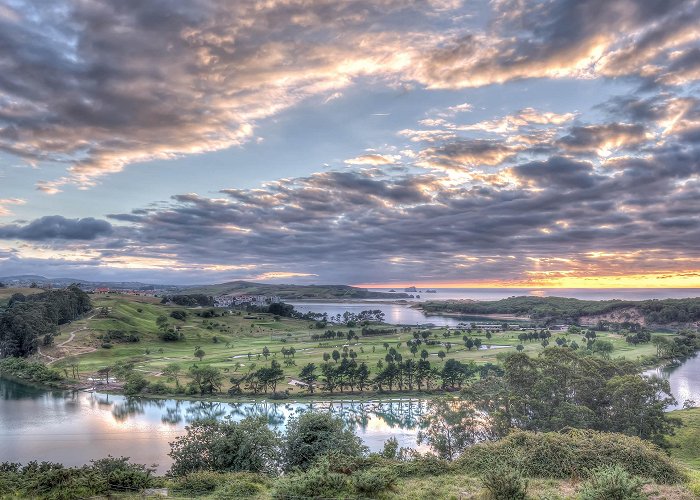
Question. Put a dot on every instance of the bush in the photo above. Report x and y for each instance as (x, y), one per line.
(179, 315)
(198, 483)
(612, 483)
(227, 446)
(106, 345)
(504, 484)
(572, 453)
(169, 336)
(242, 486)
(135, 383)
(313, 435)
(28, 370)
(122, 475)
(374, 481)
(317, 482)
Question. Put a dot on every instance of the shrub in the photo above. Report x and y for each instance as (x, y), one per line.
(227, 446)
(179, 315)
(122, 475)
(135, 383)
(198, 483)
(313, 435)
(572, 453)
(504, 484)
(169, 336)
(317, 482)
(374, 481)
(612, 483)
(28, 370)
(106, 345)
(242, 485)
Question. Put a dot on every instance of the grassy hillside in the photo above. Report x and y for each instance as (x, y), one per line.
(227, 340)
(686, 442)
(294, 292)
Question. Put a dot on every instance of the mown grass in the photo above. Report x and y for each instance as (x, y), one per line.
(238, 335)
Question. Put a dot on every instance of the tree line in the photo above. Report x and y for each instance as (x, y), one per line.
(551, 309)
(29, 321)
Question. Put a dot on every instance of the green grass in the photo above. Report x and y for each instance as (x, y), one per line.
(244, 335)
(686, 441)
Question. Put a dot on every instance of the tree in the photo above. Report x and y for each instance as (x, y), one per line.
(105, 371)
(520, 347)
(424, 354)
(199, 353)
(313, 435)
(172, 373)
(326, 357)
(441, 355)
(336, 356)
(205, 379)
(266, 352)
(308, 376)
(227, 446)
(414, 349)
(162, 322)
(450, 426)
(386, 346)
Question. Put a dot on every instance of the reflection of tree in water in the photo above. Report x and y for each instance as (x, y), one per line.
(271, 411)
(173, 413)
(205, 410)
(13, 390)
(404, 414)
(127, 408)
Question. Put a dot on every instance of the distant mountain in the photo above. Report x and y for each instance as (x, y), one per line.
(288, 292)
(25, 280)
(294, 292)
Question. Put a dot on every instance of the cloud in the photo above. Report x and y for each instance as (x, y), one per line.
(604, 138)
(4, 202)
(99, 85)
(55, 227)
(374, 159)
(466, 153)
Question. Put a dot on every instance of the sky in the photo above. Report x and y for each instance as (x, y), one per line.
(502, 143)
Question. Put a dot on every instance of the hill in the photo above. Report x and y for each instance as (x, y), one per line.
(294, 292)
(666, 312)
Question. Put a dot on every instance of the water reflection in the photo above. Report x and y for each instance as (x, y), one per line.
(74, 427)
(684, 379)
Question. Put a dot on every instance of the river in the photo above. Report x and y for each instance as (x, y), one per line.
(74, 427)
(684, 379)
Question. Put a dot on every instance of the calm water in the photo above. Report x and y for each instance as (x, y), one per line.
(396, 314)
(403, 314)
(74, 427)
(684, 380)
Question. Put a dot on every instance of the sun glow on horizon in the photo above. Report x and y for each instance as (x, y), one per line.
(689, 279)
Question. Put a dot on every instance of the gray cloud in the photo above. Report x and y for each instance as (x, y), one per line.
(99, 85)
(56, 227)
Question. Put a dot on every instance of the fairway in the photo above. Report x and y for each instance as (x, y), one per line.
(235, 341)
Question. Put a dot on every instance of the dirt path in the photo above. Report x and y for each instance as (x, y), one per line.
(70, 339)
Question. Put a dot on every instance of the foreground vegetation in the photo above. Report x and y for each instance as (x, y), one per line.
(319, 457)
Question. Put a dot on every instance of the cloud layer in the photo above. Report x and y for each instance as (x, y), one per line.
(473, 190)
